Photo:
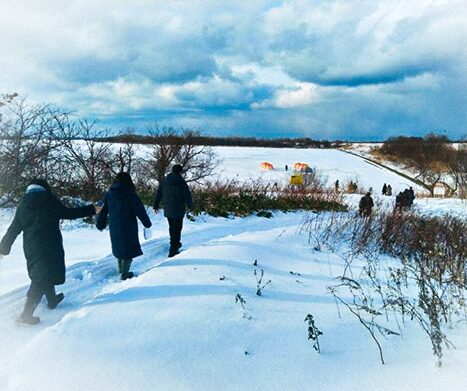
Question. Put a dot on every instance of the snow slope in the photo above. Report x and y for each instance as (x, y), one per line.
(177, 325)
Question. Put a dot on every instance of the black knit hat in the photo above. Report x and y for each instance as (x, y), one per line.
(177, 169)
(41, 183)
(124, 178)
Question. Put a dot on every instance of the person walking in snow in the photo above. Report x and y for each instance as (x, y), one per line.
(365, 205)
(122, 207)
(385, 189)
(38, 216)
(176, 197)
(389, 191)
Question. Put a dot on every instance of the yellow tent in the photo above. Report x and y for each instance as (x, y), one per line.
(296, 180)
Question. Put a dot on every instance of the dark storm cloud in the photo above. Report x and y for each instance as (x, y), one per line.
(326, 69)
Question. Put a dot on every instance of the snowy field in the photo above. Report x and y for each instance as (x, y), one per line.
(331, 164)
(177, 325)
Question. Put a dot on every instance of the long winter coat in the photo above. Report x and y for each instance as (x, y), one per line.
(365, 205)
(38, 216)
(175, 196)
(122, 207)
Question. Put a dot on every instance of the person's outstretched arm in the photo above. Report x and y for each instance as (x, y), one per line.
(74, 213)
(12, 233)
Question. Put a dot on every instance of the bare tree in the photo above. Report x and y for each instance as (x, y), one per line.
(177, 147)
(457, 167)
(90, 162)
(26, 144)
(198, 162)
(126, 157)
(430, 158)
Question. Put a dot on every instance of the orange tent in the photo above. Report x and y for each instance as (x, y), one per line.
(266, 166)
(300, 166)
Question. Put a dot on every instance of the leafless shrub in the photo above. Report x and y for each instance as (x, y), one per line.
(364, 309)
(245, 198)
(425, 278)
(259, 282)
(313, 332)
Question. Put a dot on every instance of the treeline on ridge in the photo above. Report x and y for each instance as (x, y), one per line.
(229, 141)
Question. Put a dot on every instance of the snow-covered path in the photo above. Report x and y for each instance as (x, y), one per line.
(177, 326)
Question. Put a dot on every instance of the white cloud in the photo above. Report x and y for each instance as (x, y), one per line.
(300, 95)
(303, 95)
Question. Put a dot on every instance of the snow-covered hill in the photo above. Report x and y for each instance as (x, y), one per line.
(177, 326)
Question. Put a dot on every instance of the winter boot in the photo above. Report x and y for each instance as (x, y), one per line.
(26, 316)
(173, 252)
(52, 304)
(126, 274)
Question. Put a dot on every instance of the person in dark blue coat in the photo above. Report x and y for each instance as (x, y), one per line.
(38, 216)
(175, 195)
(121, 208)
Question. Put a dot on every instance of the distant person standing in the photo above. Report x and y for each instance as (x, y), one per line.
(385, 189)
(176, 197)
(411, 196)
(389, 191)
(336, 185)
(38, 216)
(399, 200)
(406, 198)
(286, 168)
(122, 207)
(366, 204)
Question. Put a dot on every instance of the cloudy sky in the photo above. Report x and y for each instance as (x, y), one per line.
(325, 69)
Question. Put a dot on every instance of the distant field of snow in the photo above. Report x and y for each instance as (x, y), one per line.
(332, 164)
(177, 325)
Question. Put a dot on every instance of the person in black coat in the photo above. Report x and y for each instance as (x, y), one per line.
(365, 205)
(389, 191)
(410, 196)
(38, 216)
(399, 199)
(122, 207)
(175, 196)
